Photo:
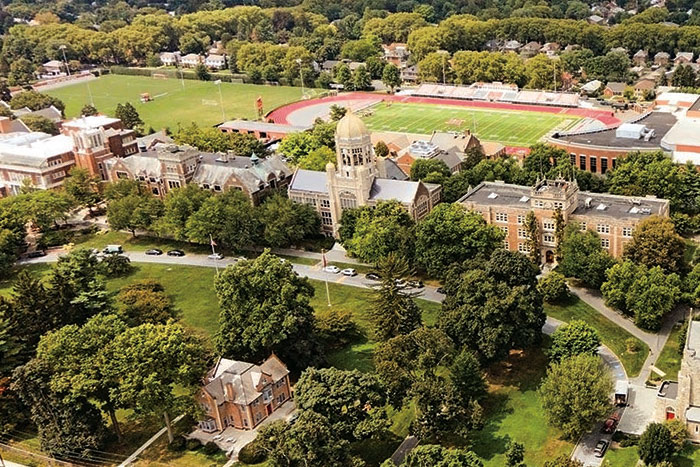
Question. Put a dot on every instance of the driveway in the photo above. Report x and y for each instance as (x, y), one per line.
(231, 440)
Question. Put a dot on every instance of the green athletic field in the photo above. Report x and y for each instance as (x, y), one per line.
(509, 127)
(198, 101)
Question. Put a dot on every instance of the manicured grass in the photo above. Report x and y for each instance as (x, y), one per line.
(197, 102)
(103, 238)
(611, 334)
(669, 360)
(625, 457)
(515, 128)
(513, 412)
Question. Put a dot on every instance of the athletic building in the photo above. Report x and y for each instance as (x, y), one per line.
(358, 178)
(612, 217)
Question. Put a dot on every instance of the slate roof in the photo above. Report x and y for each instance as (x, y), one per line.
(244, 377)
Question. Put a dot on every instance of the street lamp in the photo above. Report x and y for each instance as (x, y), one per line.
(301, 76)
(444, 53)
(65, 62)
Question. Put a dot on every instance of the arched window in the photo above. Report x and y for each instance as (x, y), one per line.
(347, 200)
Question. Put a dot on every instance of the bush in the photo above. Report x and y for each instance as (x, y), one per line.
(252, 453)
(211, 448)
(115, 265)
(177, 445)
(54, 238)
(632, 345)
(627, 442)
(553, 288)
(193, 444)
(335, 327)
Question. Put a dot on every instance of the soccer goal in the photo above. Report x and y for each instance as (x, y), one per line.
(159, 76)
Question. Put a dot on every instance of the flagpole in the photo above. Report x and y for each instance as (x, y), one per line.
(325, 275)
(213, 252)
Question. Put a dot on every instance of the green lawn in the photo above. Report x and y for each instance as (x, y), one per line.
(505, 126)
(611, 334)
(513, 412)
(197, 102)
(626, 457)
(669, 360)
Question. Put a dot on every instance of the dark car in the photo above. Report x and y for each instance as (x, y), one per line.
(440, 290)
(416, 284)
(154, 252)
(176, 253)
(609, 425)
(600, 448)
(36, 254)
(373, 276)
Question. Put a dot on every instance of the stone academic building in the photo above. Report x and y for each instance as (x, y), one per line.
(612, 217)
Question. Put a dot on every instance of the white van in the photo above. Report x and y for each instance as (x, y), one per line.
(113, 250)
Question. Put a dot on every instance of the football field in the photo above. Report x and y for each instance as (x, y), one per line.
(197, 101)
(509, 127)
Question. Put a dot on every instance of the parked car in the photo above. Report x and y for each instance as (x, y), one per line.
(113, 250)
(176, 253)
(600, 448)
(332, 269)
(154, 252)
(440, 290)
(373, 276)
(416, 284)
(36, 254)
(610, 424)
(216, 256)
(349, 272)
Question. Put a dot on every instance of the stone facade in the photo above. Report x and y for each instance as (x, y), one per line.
(612, 217)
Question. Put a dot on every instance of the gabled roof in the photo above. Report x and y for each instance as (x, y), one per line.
(244, 378)
(616, 86)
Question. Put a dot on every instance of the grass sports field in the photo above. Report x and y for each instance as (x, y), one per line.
(509, 127)
(198, 101)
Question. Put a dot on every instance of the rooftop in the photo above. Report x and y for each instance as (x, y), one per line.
(668, 390)
(600, 204)
(660, 122)
(92, 121)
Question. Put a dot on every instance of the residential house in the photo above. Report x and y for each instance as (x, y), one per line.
(217, 48)
(613, 217)
(170, 58)
(619, 50)
(191, 60)
(493, 45)
(531, 49)
(595, 19)
(396, 53)
(50, 112)
(168, 166)
(241, 394)
(662, 58)
(357, 179)
(53, 68)
(449, 147)
(683, 58)
(512, 46)
(591, 87)
(640, 58)
(409, 74)
(614, 88)
(551, 49)
(643, 87)
(215, 61)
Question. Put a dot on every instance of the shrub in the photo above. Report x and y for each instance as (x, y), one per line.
(193, 444)
(252, 453)
(335, 327)
(177, 445)
(553, 288)
(115, 265)
(632, 345)
(211, 448)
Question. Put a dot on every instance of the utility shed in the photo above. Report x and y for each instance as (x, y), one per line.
(630, 131)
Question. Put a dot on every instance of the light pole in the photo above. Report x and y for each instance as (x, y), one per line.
(301, 76)
(443, 53)
(65, 62)
(221, 99)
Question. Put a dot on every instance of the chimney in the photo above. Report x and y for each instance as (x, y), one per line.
(5, 125)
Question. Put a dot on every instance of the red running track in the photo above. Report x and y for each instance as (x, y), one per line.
(281, 114)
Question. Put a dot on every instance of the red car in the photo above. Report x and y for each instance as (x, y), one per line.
(610, 425)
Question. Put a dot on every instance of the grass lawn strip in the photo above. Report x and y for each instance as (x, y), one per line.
(669, 360)
(612, 335)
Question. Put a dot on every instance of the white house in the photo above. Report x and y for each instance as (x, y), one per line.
(170, 58)
(215, 61)
(191, 60)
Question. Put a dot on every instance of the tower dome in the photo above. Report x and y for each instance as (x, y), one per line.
(351, 127)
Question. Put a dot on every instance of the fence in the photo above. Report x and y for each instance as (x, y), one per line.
(39, 458)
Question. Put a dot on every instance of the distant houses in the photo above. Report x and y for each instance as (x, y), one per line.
(213, 61)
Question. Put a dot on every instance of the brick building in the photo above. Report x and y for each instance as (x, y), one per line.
(263, 131)
(612, 217)
(241, 394)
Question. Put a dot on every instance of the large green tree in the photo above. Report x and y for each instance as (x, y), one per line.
(451, 234)
(656, 243)
(134, 212)
(656, 445)
(583, 257)
(575, 394)
(265, 308)
(380, 230)
(83, 188)
(574, 338)
(179, 205)
(144, 301)
(285, 223)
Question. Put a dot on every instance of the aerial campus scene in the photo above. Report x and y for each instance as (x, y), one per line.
(296, 233)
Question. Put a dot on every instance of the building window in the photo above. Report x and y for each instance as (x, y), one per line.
(521, 219)
(548, 225)
(627, 232)
(593, 163)
(326, 218)
(122, 175)
(522, 233)
(558, 204)
(504, 230)
(155, 191)
(539, 204)
(506, 244)
(217, 187)
(347, 200)
(572, 158)
(173, 184)
(582, 162)
(501, 217)
(603, 228)
(548, 238)
(614, 163)
(523, 248)
(605, 242)
(205, 186)
(603, 165)
(325, 203)
(583, 226)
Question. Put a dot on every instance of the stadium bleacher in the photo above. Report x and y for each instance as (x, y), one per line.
(498, 92)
